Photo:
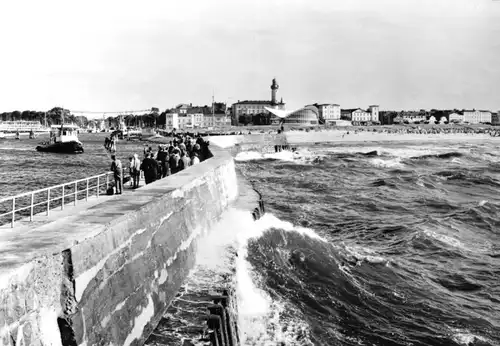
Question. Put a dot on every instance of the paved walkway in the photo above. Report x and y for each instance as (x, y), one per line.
(57, 213)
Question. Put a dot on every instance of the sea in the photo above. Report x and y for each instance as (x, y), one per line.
(376, 244)
(362, 244)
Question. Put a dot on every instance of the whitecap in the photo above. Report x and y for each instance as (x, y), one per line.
(445, 239)
(466, 338)
(387, 163)
(364, 254)
(260, 318)
(248, 156)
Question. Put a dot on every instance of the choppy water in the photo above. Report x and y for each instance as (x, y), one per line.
(23, 169)
(401, 248)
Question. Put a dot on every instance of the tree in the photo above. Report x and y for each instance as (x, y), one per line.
(16, 115)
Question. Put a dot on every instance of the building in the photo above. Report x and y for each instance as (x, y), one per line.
(328, 112)
(477, 116)
(360, 116)
(374, 111)
(182, 108)
(217, 120)
(249, 107)
(410, 117)
(308, 115)
(456, 118)
(495, 118)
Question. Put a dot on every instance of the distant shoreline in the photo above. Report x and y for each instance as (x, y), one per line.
(338, 136)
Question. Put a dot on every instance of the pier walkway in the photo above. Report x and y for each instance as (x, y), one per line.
(44, 231)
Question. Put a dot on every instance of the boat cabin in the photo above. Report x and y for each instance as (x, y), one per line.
(64, 133)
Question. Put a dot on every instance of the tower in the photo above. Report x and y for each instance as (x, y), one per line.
(274, 90)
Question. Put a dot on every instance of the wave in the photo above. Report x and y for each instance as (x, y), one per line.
(387, 163)
(466, 338)
(448, 155)
(300, 156)
(467, 177)
(264, 319)
(404, 260)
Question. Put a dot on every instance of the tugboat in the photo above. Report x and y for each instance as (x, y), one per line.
(65, 140)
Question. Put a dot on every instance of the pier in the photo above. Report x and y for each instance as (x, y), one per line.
(100, 269)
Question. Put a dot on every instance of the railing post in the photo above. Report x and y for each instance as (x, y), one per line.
(13, 212)
(62, 203)
(48, 201)
(76, 191)
(98, 186)
(31, 209)
(87, 191)
(107, 182)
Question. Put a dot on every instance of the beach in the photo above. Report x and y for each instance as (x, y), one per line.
(351, 137)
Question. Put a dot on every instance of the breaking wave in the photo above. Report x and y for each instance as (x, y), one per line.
(390, 245)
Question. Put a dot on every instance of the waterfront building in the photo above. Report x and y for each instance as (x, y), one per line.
(477, 116)
(495, 118)
(328, 112)
(195, 120)
(308, 115)
(21, 126)
(410, 117)
(374, 111)
(217, 120)
(182, 108)
(251, 107)
(360, 116)
(456, 118)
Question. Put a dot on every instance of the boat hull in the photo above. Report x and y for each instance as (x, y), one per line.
(63, 148)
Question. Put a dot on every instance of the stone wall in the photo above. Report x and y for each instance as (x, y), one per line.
(112, 286)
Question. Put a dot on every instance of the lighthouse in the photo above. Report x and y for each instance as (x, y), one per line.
(274, 90)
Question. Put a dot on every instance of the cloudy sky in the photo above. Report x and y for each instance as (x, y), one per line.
(132, 55)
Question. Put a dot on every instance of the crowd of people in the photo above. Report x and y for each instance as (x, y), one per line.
(110, 143)
(183, 151)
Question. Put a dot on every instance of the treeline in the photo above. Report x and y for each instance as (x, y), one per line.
(55, 116)
(152, 118)
(52, 116)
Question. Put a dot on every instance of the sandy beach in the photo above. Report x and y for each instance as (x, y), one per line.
(296, 137)
(340, 137)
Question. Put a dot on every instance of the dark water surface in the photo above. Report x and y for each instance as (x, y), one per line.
(409, 252)
(400, 248)
(24, 169)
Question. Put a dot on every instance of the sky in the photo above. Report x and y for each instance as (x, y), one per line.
(106, 56)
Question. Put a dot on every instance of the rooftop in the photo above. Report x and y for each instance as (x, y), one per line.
(350, 110)
(258, 102)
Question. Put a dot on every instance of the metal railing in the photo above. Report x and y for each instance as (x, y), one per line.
(41, 200)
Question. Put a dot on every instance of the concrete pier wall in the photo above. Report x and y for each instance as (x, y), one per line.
(106, 275)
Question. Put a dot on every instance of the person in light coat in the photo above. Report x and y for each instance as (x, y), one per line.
(135, 170)
(195, 159)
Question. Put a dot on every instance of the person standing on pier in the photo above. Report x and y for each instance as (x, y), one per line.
(116, 168)
(150, 168)
(135, 170)
(112, 146)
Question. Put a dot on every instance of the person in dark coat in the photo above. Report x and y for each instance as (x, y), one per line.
(174, 161)
(162, 157)
(116, 168)
(150, 168)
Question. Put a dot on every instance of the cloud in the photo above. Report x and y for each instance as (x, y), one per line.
(114, 55)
